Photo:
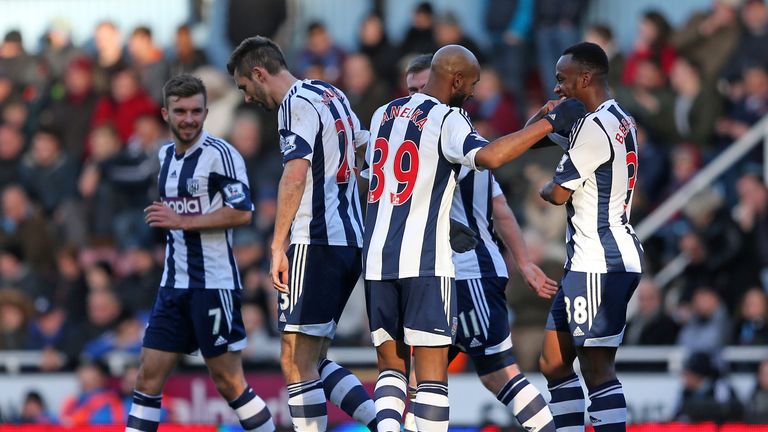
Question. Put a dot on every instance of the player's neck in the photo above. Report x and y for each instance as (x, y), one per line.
(283, 82)
(596, 98)
(432, 90)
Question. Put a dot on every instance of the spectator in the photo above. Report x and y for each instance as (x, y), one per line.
(149, 62)
(262, 345)
(557, 27)
(650, 186)
(751, 327)
(15, 315)
(58, 50)
(21, 67)
(15, 273)
(751, 48)
(48, 173)
(757, 405)
(448, 31)
(749, 109)
(97, 193)
(493, 112)
(697, 105)
(751, 214)
(188, 57)
(103, 313)
(650, 325)
(509, 24)
(127, 102)
(7, 91)
(11, 148)
(420, 39)
(138, 286)
(365, 92)
(707, 328)
(23, 228)
(109, 55)
(709, 38)
(49, 328)
(70, 288)
(34, 410)
(602, 35)
(320, 50)
(94, 403)
(223, 100)
(375, 44)
(651, 102)
(263, 165)
(72, 113)
(126, 337)
(652, 43)
(707, 395)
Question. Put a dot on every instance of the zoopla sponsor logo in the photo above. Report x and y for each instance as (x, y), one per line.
(184, 205)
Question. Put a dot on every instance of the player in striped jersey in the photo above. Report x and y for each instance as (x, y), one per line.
(595, 180)
(418, 143)
(481, 278)
(203, 189)
(319, 204)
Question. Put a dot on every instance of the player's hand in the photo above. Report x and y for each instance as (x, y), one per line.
(279, 270)
(565, 114)
(539, 283)
(462, 237)
(158, 215)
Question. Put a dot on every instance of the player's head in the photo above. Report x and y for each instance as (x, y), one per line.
(581, 66)
(455, 72)
(184, 107)
(417, 73)
(252, 65)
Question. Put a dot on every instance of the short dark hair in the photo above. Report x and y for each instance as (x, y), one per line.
(142, 31)
(603, 31)
(419, 63)
(184, 85)
(589, 56)
(256, 51)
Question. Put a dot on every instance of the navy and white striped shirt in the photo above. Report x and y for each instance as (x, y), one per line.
(316, 123)
(417, 147)
(473, 206)
(600, 167)
(209, 175)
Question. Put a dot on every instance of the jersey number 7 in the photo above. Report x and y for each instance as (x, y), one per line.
(405, 170)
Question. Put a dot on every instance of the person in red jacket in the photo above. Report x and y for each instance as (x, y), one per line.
(94, 403)
(126, 102)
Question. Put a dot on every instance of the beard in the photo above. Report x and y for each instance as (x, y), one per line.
(189, 135)
(457, 100)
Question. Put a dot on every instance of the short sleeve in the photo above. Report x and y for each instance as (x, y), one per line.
(589, 148)
(229, 178)
(297, 135)
(495, 188)
(460, 141)
(361, 135)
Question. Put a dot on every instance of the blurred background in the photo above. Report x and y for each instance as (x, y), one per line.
(80, 90)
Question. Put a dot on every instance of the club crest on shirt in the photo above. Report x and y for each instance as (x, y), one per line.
(287, 144)
(193, 186)
(233, 193)
(561, 165)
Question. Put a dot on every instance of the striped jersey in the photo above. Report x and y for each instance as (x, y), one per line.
(316, 123)
(209, 175)
(417, 147)
(600, 167)
(473, 206)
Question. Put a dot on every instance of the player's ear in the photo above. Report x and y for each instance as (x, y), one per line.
(164, 113)
(586, 78)
(458, 80)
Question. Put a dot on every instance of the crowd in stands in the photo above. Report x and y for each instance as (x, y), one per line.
(80, 129)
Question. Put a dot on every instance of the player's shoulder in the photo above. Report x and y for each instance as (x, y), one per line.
(164, 149)
(215, 148)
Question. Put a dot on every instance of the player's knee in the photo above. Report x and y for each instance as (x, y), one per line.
(147, 382)
(553, 369)
(595, 376)
(227, 383)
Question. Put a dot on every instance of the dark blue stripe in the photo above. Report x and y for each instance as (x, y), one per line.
(304, 387)
(566, 394)
(318, 231)
(333, 379)
(170, 262)
(608, 402)
(257, 420)
(514, 391)
(570, 245)
(388, 391)
(372, 209)
(604, 180)
(530, 410)
(308, 411)
(394, 243)
(232, 262)
(431, 412)
(192, 240)
(467, 193)
(389, 413)
(147, 401)
(141, 424)
(556, 382)
(353, 399)
(570, 419)
(226, 154)
(247, 396)
(604, 386)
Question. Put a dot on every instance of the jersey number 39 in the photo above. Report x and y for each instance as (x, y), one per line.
(405, 170)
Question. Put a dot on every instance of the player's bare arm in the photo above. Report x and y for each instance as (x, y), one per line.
(289, 194)
(555, 194)
(158, 215)
(505, 224)
(544, 110)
